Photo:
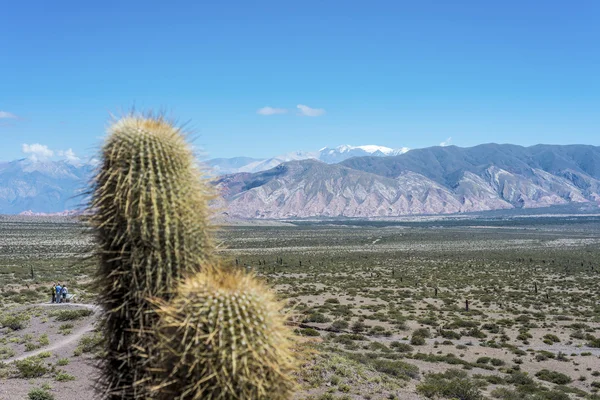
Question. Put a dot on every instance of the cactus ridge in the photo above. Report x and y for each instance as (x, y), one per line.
(149, 208)
(224, 337)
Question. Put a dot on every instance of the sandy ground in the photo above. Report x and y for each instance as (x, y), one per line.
(61, 346)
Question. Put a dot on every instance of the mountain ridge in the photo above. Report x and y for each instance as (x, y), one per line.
(435, 180)
(223, 166)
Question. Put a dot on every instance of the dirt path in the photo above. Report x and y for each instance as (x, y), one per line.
(66, 341)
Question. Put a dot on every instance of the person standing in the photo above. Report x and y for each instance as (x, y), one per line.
(58, 292)
(53, 293)
(64, 293)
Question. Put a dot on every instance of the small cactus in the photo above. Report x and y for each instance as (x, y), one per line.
(149, 211)
(223, 337)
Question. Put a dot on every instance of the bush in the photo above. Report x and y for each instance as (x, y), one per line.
(553, 376)
(339, 325)
(417, 340)
(88, 344)
(15, 322)
(308, 332)
(6, 352)
(551, 339)
(39, 394)
(452, 384)
(401, 347)
(423, 332)
(497, 362)
(399, 369)
(71, 315)
(519, 379)
(31, 367)
(450, 334)
(62, 376)
(358, 327)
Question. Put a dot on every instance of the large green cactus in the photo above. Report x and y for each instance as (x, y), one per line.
(149, 210)
(223, 337)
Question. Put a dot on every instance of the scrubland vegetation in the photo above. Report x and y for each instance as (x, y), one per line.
(381, 310)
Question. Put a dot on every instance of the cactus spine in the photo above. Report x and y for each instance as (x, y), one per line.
(149, 212)
(235, 344)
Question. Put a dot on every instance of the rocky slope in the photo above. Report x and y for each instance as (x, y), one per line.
(425, 181)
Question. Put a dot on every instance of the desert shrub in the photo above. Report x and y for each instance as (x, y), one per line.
(89, 344)
(62, 362)
(553, 376)
(594, 342)
(452, 384)
(492, 328)
(398, 369)
(71, 315)
(62, 376)
(15, 322)
(379, 331)
(31, 346)
(31, 367)
(460, 323)
(339, 325)
(307, 332)
(358, 327)
(519, 379)
(6, 352)
(530, 394)
(417, 340)
(423, 332)
(39, 394)
(448, 334)
(493, 379)
(43, 340)
(401, 347)
(65, 329)
(550, 339)
(376, 346)
(476, 333)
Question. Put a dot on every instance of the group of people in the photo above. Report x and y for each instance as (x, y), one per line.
(59, 293)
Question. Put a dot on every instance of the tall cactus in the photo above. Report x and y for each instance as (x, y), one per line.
(149, 210)
(223, 337)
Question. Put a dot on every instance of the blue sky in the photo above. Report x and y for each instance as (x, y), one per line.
(392, 73)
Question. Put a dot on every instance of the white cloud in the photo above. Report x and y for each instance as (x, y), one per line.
(69, 155)
(6, 114)
(271, 111)
(310, 112)
(37, 151)
(446, 142)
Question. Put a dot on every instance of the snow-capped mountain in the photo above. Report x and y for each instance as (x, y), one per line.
(223, 166)
(42, 186)
(344, 152)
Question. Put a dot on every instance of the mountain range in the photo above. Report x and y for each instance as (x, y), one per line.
(435, 180)
(42, 186)
(347, 181)
(328, 155)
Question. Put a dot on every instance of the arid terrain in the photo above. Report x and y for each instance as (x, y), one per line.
(469, 309)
